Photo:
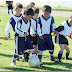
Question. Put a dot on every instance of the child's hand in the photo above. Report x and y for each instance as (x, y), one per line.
(57, 33)
(41, 37)
(33, 35)
(5, 38)
(25, 34)
(9, 36)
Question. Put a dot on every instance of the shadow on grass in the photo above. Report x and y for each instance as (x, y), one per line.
(6, 55)
(16, 69)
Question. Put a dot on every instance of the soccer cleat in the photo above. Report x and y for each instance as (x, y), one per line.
(67, 58)
(52, 58)
(58, 61)
(25, 57)
(13, 64)
(17, 60)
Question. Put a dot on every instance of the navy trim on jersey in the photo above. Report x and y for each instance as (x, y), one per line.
(13, 23)
(29, 27)
(18, 16)
(34, 19)
(44, 18)
(20, 21)
(39, 21)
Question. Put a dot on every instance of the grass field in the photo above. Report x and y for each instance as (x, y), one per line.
(7, 50)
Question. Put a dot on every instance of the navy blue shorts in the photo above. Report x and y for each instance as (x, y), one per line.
(61, 40)
(22, 44)
(46, 44)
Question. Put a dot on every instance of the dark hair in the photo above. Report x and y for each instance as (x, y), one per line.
(35, 9)
(47, 8)
(18, 5)
(32, 4)
(29, 11)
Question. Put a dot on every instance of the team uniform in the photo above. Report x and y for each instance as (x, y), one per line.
(47, 27)
(34, 30)
(64, 31)
(12, 22)
(22, 42)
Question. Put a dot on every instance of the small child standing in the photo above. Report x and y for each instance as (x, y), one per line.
(63, 31)
(47, 26)
(21, 35)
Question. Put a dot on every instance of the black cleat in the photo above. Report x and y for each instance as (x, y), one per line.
(52, 59)
(58, 62)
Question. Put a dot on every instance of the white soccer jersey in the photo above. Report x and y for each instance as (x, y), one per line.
(48, 25)
(22, 27)
(12, 22)
(67, 30)
(35, 27)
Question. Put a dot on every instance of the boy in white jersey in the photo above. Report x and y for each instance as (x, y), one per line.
(14, 18)
(63, 31)
(47, 26)
(22, 42)
(33, 32)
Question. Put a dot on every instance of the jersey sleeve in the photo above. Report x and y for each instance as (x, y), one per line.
(18, 28)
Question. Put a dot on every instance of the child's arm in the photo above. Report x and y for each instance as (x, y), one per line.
(32, 30)
(7, 30)
(53, 24)
(18, 29)
(58, 29)
(39, 32)
(5, 38)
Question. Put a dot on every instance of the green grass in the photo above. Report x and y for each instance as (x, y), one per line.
(59, 8)
(7, 50)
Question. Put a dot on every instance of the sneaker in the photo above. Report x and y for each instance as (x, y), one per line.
(58, 61)
(67, 58)
(52, 58)
(17, 60)
(13, 64)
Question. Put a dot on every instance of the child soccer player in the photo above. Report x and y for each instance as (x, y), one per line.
(21, 35)
(13, 20)
(32, 4)
(47, 26)
(10, 7)
(33, 32)
(5, 38)
(63, 31)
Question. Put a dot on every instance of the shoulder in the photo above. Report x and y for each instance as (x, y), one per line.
(64, 23)
(20, 20)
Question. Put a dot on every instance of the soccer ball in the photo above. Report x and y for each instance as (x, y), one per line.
(34, 61)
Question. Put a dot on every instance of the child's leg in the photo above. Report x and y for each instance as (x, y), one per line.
(50, 47)
(67, 51)
(15, 56)
(40, 55)
(8, 11)
(12, 11)
(25, 56)
(60, 52)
